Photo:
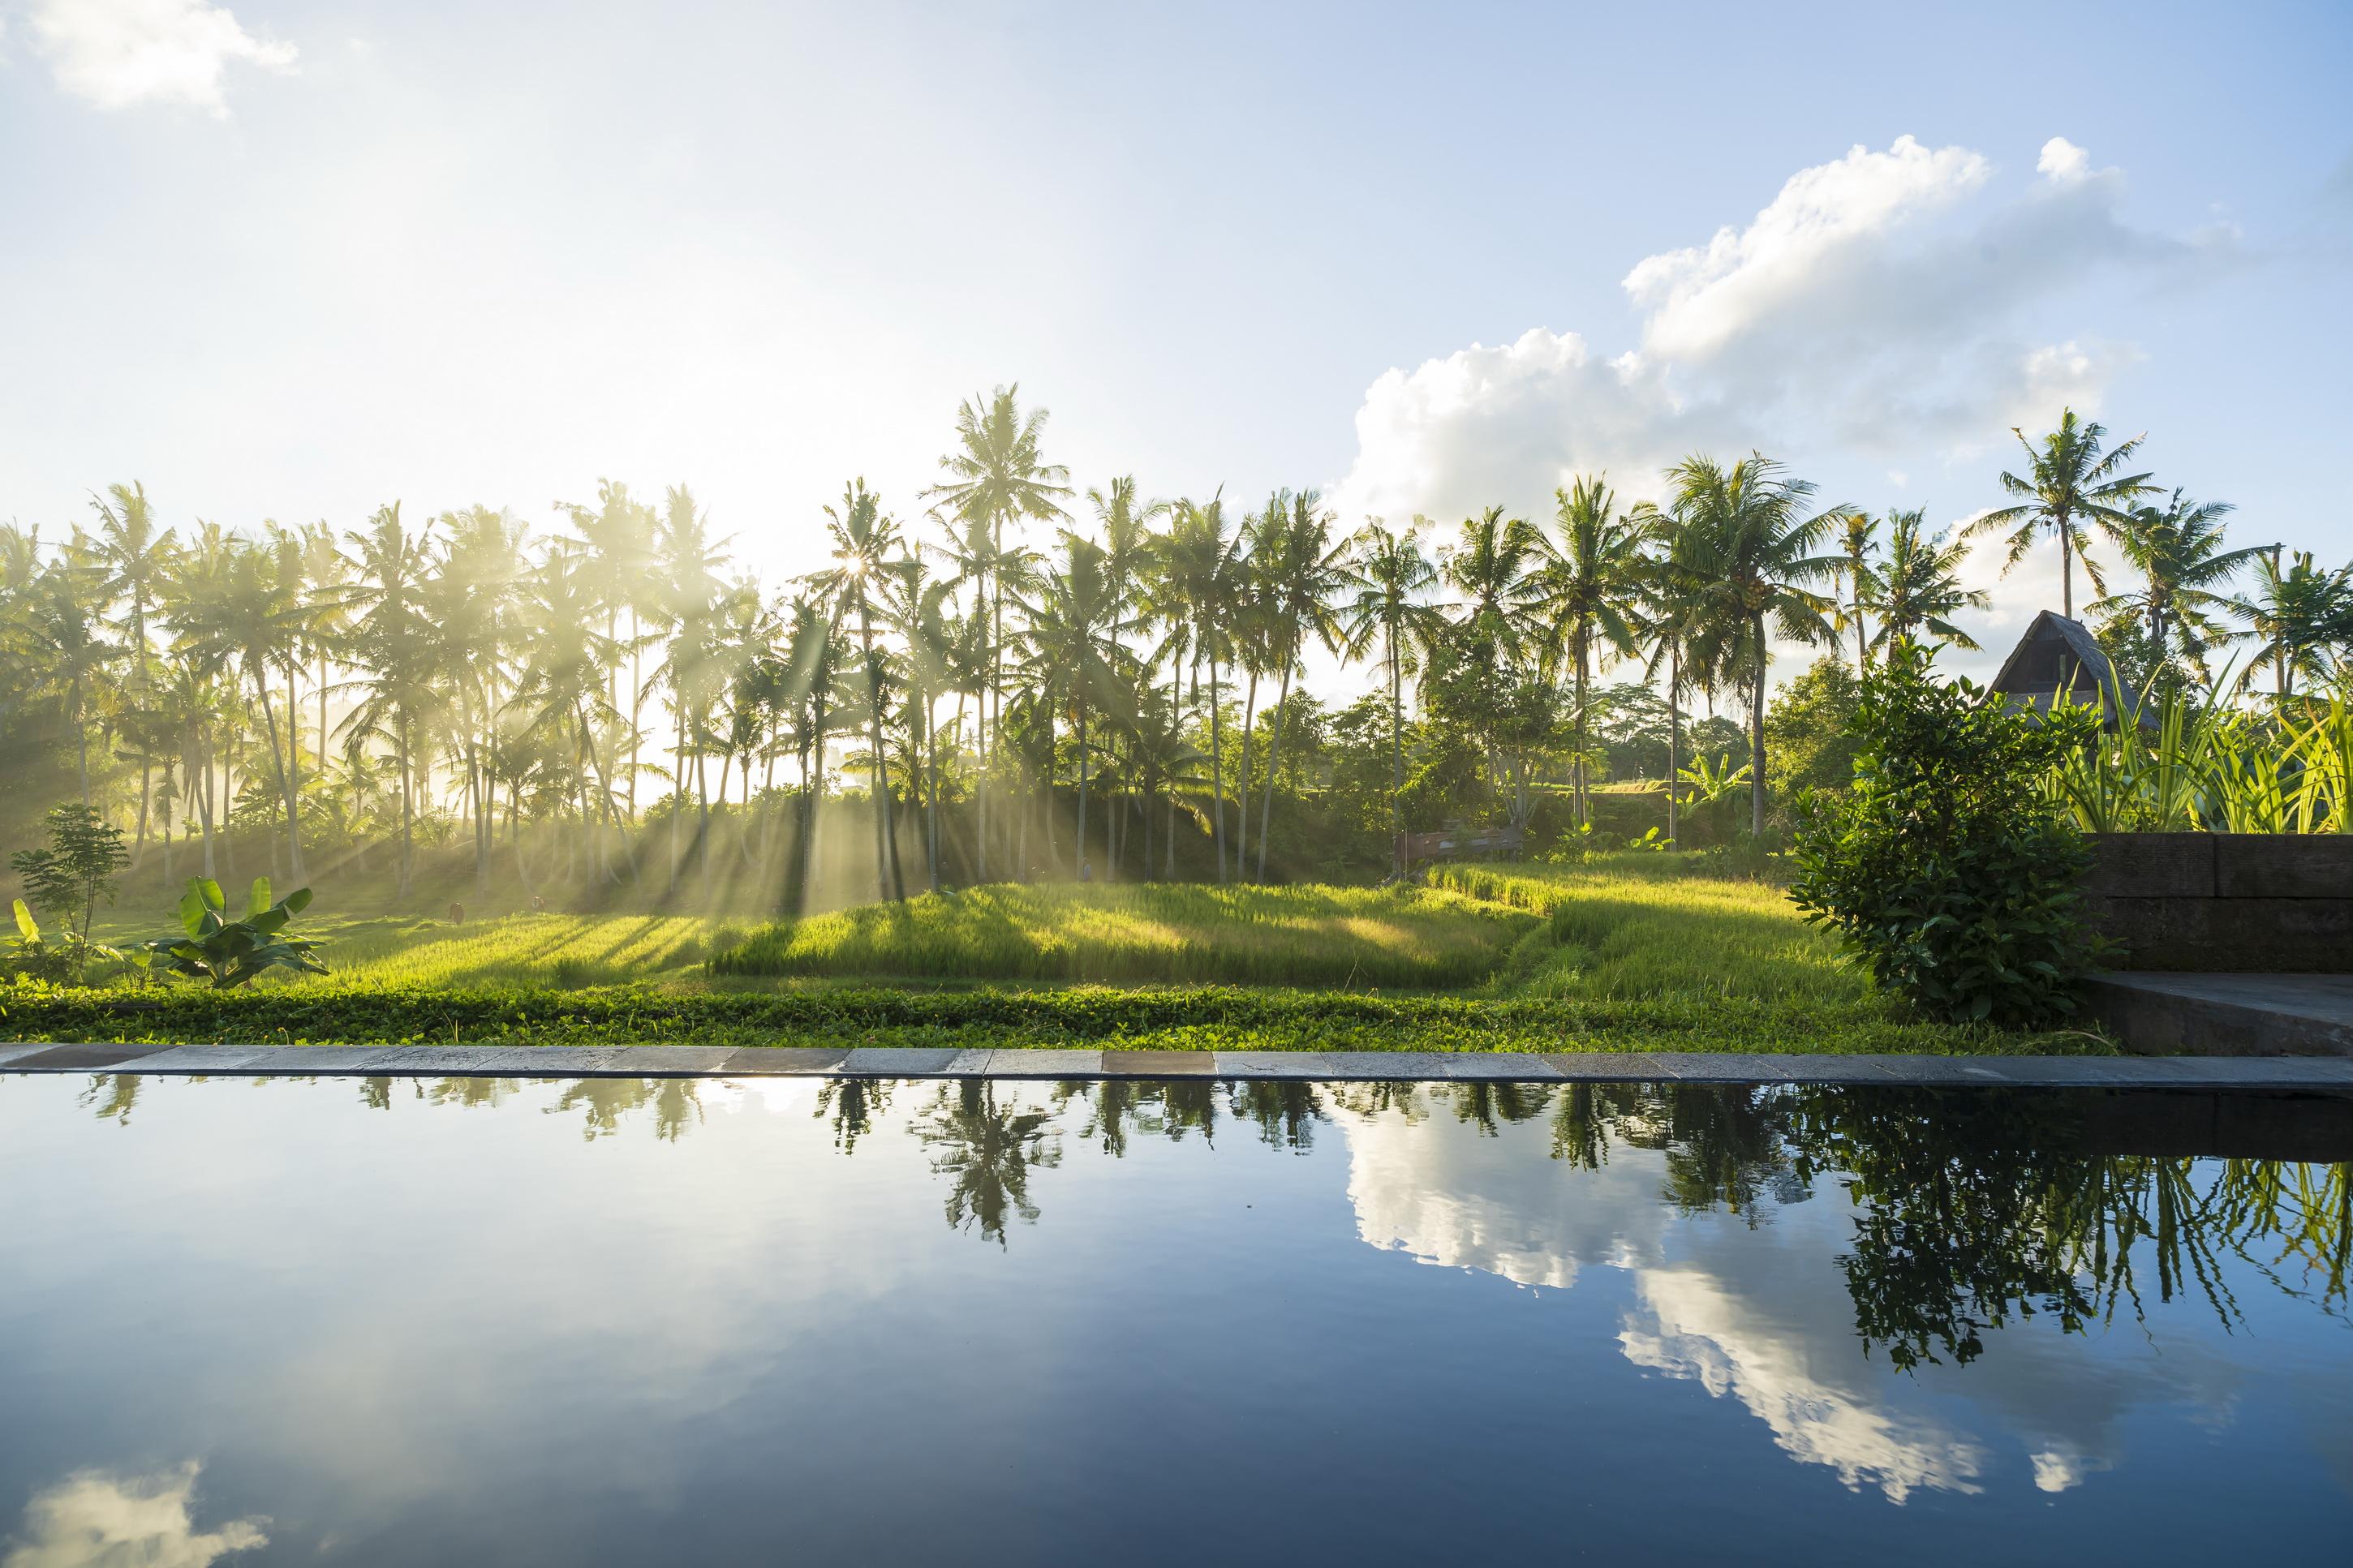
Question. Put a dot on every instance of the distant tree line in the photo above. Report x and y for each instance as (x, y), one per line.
(1020, 675)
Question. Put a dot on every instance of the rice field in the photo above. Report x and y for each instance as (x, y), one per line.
(558, 952)
(1347, 937)
(1654, 926)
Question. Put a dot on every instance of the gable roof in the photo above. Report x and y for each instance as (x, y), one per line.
(2059, 656)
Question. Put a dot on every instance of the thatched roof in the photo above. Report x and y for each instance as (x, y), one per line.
(2056, 655)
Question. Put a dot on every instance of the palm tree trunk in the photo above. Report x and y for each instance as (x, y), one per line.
(1584, 805)
(1756, 738)
(1397, 755)
(1080, 852)
(1217, 775)
(406, 838)
(1243, 789)
(285, 779)
(882, 778)
(2067, 569)
(81, 741)
(1273, 755)
(1674, 734)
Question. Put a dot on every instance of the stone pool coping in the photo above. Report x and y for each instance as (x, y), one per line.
(790, 1061)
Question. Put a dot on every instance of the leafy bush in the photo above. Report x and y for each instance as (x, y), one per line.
(67, 879)
(1944, 867)
(226, 954)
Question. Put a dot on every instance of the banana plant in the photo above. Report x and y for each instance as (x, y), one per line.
(1711, 779)
(226, 954)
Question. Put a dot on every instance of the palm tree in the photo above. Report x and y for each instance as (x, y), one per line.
(1298, 584)
(563, 692)
(2177, 550)
(1388, 577)
(1919, 588)
(139, 556)
(1862, 580)
(998, 475)
(1070, 623)
(390, 638)
(1669, 615)
(1589, 583)
(812, 683)
(261, 622)
(2070, 484)
(1195, 598)
(864, 539)
(61, 629)
(1744, 544)
(620, 536)
(2301, 619)
(1496, 565)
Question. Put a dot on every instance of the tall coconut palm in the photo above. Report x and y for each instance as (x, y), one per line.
(620, 567)
(1496, 565)
(812, 685)
(2301, 618)
(864, 539)
(2071, 485)
(1745, 540)
(1858, 532)
(139, 554)
(1588, 581)
(2177, 551)
(392, 643)
(1071, 619)
(1307, 570)
(1387, 580)
(1195, 598)
(61, 628)
(563, 694)
(1919, 587)
(998, 475)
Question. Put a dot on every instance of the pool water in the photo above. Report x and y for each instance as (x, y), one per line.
(378, 1321)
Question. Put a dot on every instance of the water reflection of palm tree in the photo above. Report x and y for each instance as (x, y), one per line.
(111, 1095)
(852, 1103)
(603, 1101)
(1485, 1105)
(987, 1150)
(1286, 1111)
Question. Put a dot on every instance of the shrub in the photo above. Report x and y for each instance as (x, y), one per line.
(1943, 867)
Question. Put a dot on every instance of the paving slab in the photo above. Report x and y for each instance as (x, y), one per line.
(2163, 1013)
(206, 1058)
(10, 1053)
(1160, 1064)
(1608, 1067)
(1274, 1064)
(897, 1061)
(769, 1062)
(665, 1061)
(82, 1057)
(969, 1064)
(318, 1061)
(436, 1061)
(1499, 1067)
(1058, 1064)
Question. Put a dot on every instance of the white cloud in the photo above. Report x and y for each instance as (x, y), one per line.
(92, 1517)
(2063, 160)
(120, 53)
(1888, 307)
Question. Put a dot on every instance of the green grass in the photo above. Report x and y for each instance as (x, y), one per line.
(1637, 952)
(1252, 936)
(1654, 925)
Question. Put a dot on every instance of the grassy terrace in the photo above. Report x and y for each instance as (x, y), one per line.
(1636, 952)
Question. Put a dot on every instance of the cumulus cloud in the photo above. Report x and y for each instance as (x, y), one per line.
(1883, 305)
(92, 1517)
(119, 53)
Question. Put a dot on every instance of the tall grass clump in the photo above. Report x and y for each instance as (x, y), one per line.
(2171, 765)
(1247, 936)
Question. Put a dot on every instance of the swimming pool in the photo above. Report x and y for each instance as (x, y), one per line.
(825, 1320)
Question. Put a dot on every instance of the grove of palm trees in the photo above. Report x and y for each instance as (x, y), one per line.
(1006, 679)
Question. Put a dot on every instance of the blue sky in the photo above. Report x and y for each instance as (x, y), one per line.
(292, 259)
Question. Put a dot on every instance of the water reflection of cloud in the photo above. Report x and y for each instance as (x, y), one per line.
(1761, 1314)
(96, 1520)
(1692, 1326)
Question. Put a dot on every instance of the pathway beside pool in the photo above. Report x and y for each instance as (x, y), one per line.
(764, 1061)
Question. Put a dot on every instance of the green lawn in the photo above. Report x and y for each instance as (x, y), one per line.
(1633, 953)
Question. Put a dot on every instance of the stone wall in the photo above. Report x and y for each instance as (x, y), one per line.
(2272, 903)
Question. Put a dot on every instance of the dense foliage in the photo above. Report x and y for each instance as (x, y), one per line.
(1944, 867)
(1012, 681)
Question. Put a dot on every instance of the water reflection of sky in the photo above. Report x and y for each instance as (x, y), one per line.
(623, 1320)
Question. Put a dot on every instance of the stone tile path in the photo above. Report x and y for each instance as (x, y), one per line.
(719, 1061)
